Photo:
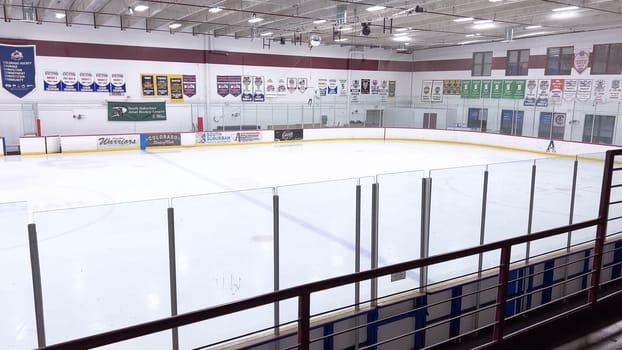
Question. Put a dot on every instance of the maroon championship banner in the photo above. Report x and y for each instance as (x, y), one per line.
(190, 85)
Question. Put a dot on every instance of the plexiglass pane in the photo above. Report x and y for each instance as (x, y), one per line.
(317, 240)
(455, 218)
(17, 323)
(399, 227)
(587, 198)
(103, 268)
(224, 245)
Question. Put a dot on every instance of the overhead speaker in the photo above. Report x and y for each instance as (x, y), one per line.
(365, 28)
(315, 40)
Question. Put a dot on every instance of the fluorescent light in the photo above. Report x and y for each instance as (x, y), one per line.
(533, 27)
(59, 15)
(401, 29)
(472, 35)
(470, 42)
(563, 15)
(466, 19)
(401, 38)
(214, 10)
(344, 29)
(140, 8)
(341, 39)
(483, 21)
(266, 33)
(375, 8)
(495, 0)
(255, 19)
(531, 34)
(400, 34)
(568, 8)
(174, 25)
(484, 26)
(319, 21)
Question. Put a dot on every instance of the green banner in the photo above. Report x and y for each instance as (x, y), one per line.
(476, 88)
(466, 89)
(136, 111)
(520, 89)
(486, 88)
(497, 89)
(509, 88)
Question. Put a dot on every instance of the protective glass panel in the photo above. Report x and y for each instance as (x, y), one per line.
(224, 253)
(587, 198)
(103, 268)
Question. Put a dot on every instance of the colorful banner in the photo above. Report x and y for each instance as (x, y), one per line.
(270, 88)
(147, 84)
(281, 89)
(17, 65)
(557, 91)
(581, 60)
(322, 86)
(465, 91)
(343, 87)
(86, 82)
(102, 82)
(426, 90)
(69, 82)
(486, 88)
(176, 87)
(288, 134)
(158, 140)
(117, 84)
(190, 85)
(542, 99)
(302, 85)
(136, 111)
(519, 92)
(365, 87)
(375, 87)
(509, 89)
(247, 89)
(570, 89)
(452, 87)
(437, 91)
(51, 81)
(476, 89)
(162, 86)
(259, 94)
(291, 85)
(332, 87)
(392, 88)
(497, 89)
(584, 91)
(531, 93)
(216, 137)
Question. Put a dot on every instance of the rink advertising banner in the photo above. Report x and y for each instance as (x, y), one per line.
(216, 137)
(288, 134)
(118, 142)
(166, 139)
(17, 67)
(136, 111)
(190, 85)
(248, 136)
(177, 93)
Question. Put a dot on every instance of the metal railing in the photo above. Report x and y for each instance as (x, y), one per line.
(303, 292)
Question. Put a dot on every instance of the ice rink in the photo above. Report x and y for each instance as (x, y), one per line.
(102, 226)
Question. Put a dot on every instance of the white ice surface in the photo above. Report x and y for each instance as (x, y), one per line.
(105, 267)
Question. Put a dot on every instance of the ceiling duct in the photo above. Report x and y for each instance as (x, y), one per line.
(28, 11)
(342, 15)
(509, 35)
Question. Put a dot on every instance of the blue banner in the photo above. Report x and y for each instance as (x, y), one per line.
(17, 64)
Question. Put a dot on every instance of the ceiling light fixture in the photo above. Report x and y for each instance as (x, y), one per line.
(465, 19)
(400, 34)
(375, 8)
(401, 29)
(255, 19)
(174, 25)
(341, 39)
(533, 27)
(214, 10)
(401, 38)
(60, 15)
(266, 33)
(319, 21)
(141, 8)
(495, 0)
(563, 15)
(567, 8)
(483, 21)
(344, 29)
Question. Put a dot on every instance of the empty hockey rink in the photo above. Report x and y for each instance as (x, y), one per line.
(101, 221)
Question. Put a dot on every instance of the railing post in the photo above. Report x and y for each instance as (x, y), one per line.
(275, 247)
(172, 267)
(304, 314)
(530, 218)
(601, 228)
(424, 245)
(482, 238)
(37, 291)
(357, 240)
(502, 293)
(374, 239)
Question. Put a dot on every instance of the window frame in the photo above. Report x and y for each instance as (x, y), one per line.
(560, 60)
(609, 61)
(521, 64)
(479, 66)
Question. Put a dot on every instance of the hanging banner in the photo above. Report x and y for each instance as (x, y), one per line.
(486, 88)
(259, 94)
(584, 91)
(542, 100)
(51, 81)
(102, 82)
(465, 91)
(177, 90)
(117, 84)
(426, 91)
(355, 91)
(519, 91)
(509, 89)
(365, 87)
(476, 89)
(343, 87)
(136, 111)
(302, 85)
(332, 87)
(497, 89)
(247, 89)
(291, 85)
(270, 88)
(222, 85)
(322, 86)
(146, 81)
(162, 86)
(190, 85)
(392, 86)
(615, 91)
(281, 89)
(531, 93)
(85, 82)
(69, 82)
(17, 65)
(235, 85)
(437, 91)
(557, 91)
(451, 87)
(600, 86)
(375, 87)
(570, 90)
(581, 60)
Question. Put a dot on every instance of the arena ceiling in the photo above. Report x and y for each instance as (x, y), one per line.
(396, 24)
